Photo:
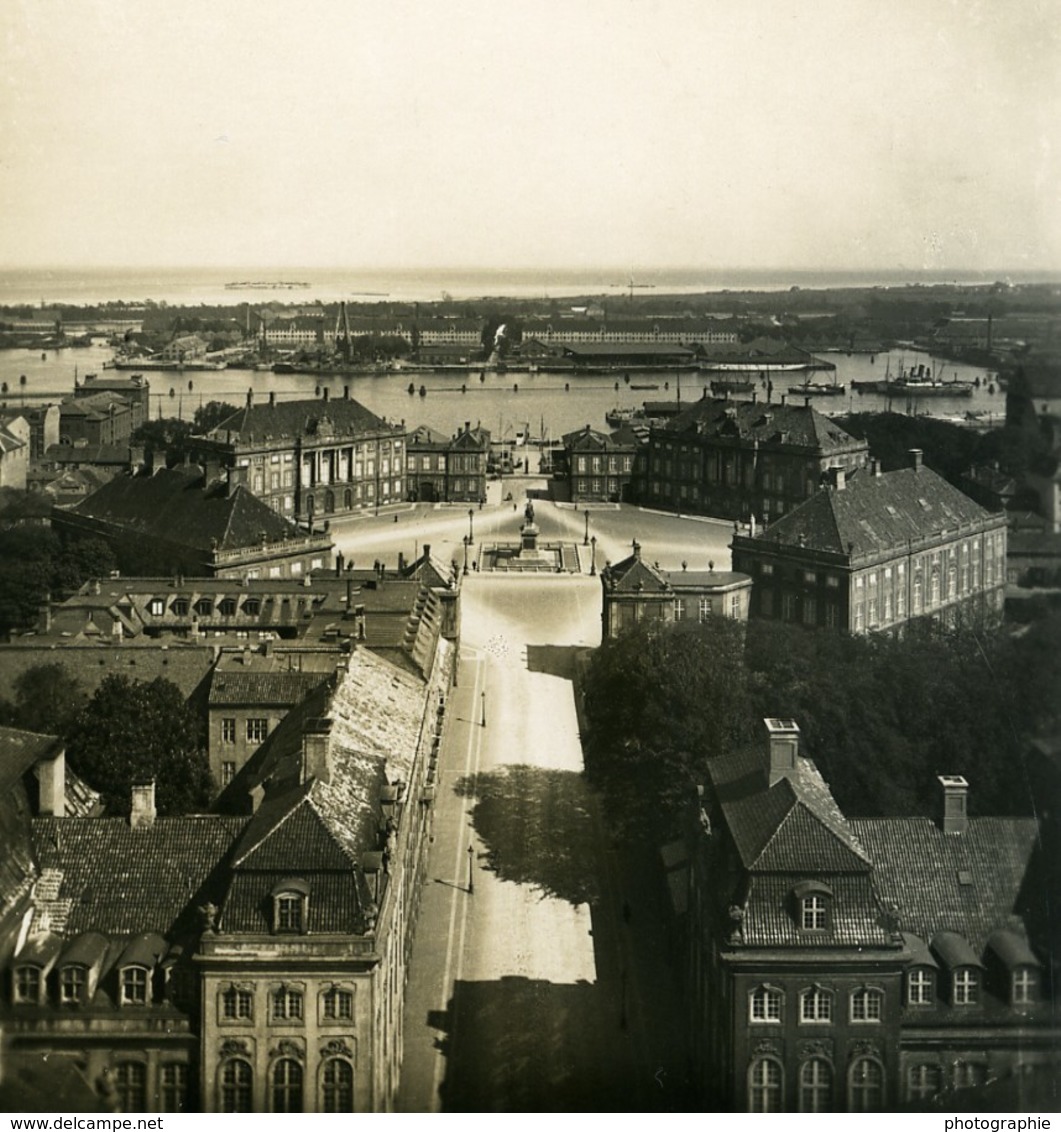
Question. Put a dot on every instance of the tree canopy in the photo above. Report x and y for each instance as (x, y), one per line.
(47, 700)
(131, 731)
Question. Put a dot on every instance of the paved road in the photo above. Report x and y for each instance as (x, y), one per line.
(531, 992)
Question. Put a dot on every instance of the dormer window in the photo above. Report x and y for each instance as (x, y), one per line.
(204, 606)
(813, 906)
(179, 607)
(291, 907)
(920, 987)
(133, 986)
(27, 985)
(157, 607)
(966, 986)
(1024, 987)
(227, 606)
(71, 985)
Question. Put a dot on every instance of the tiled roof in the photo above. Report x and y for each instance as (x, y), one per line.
(289, 419)
(794, 826)
(424, 436)
(632, 575)
(173, 505)
(970, 883)
(97, 406)
(88, 454)
(19, 750)
(121, 881)
(769, 919)
(278, 688)
(789, 425)
(337, 902)
(874, 514)
(589, 439)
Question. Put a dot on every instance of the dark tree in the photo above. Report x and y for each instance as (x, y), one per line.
(47, 699)
(211, 414)
(131, 731)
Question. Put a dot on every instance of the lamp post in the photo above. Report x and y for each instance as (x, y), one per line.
(465, 540)
(471, 873)
(585, 537)
(484, 708)
(471, 532)
(593, 557)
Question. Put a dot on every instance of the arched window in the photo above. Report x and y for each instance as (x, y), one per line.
(816, 1086)
(816, 1005)
(765, 1080)
(923, 1082)
(764, 1004)
(130, 1086)
(134, 985)
(337, 1085)
(867, 1004)
(866, 1085)
(287, 1085)
(237, 1080)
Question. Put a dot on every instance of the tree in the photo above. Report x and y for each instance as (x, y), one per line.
(131, 731)
(211, 414)
(47, 699)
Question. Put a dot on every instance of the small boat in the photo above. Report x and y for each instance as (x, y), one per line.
(617, 417)
(644, 386)
(818, 389)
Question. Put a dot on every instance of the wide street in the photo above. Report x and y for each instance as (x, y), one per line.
(538, 977)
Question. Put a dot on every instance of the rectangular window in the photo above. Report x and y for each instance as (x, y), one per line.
(679, 609)
(134, 986)
(816, 1005)
(228, 771)
(71, 985)
(228, 731)
(287, 1005)
(705, 608)
(338, 1004)
(27, 984)
(966, 987)
(237, 1004)
(813, 914)
(1025, 986)
(765, 1005)
(919, 987)
(174, 1092)
(157, 607)
(257, 730)
(867, 1005)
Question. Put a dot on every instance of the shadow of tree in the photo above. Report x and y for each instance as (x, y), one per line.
(537, 827)
(554, 660)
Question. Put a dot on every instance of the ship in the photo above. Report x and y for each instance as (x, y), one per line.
(617, 417)
(818, 389)
(265, 285)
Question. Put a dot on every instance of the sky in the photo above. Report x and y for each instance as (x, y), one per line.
(846, 135)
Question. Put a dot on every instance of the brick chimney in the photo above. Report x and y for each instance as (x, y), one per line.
(316, 750)
(915, 455)
(51, 782)
(142, 813)
(955, 817)
(782, 737)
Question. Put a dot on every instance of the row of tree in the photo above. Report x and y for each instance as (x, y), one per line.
(881, 716)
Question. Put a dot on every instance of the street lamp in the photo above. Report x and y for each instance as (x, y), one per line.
(465, 540)
(484, 707)
(593, 557)
(471, 532)
(585, 537)
(471, 874)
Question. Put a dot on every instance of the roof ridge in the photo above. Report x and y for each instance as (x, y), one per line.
(273, 826)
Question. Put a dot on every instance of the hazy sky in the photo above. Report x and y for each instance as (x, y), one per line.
(856, 134)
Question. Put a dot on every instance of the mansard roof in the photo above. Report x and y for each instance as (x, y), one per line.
(873, 514)
(177, 505)
(338, 416)
(796, 426)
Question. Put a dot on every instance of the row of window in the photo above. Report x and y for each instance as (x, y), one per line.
(817, 1085)
(816, 1004)
(705, 606)
(205, 606)
(924, 1081)
(257, 730)
(604, 464)
(286, 1004)
(966, 984)
(129, 1082)
(135, 985)
(286, 1086)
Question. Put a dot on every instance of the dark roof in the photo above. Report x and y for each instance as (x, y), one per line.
(633, 575)
(969, 883)
(874, 514)
(590, 439)
(621, 350)
(175, 505)
(290, 419)
(770, 915)
(107, 877)
(772, 425)
(20, 750)
(278, 688)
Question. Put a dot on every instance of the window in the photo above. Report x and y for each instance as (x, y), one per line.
(816, 1005)
(764, 1005)
(228, 771)
(920, 988)
(71, 985)
(1024, 986)
(257, 730)
(204, 606)
(705, 608)
(813, 913)
(228, 731)
(816, 1085)
(179, 607)
(156, 607)
(236, 1081)
(27, 984)
(764, 1085)
(679, 609)
(289, 912)
(866, 1085)
(227, 607)
(867, 1004)
(966, 986)
(287, 1085)
(236, 1003)
(130, 1086)
(923, 1082)
(337, 1084)
(287, 1005)
(173, 1094)
(969, 1074)
(338, 1004)
(134, 986)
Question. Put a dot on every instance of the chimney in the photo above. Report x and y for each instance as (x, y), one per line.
(783, 745)
(256, 793)
(915, 455)
(51, 781)
(955, 818)
(142, 812)
(467, 426)
(637, 550)
(875, 468)
(316, 750)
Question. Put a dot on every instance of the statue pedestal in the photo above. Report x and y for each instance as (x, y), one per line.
(528, 541)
